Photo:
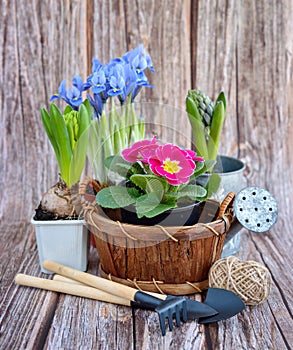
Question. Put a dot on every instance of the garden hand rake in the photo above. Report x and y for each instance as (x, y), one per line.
(172, 308)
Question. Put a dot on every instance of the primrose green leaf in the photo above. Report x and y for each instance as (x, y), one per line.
(117, 197)
(149, 183)
(206, 167)
(111, 161)
(118, 165)
(170, 197)
(155, 186)
(148, 205)
(193, 192)
(136, 169)
(199, 166)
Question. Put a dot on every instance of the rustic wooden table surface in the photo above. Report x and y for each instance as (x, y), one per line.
(35, 319)
(242, 47)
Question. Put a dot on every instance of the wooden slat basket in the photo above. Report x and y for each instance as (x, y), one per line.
(171, 259)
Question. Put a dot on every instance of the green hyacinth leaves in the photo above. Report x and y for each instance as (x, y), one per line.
(68, 134)
(206, 120)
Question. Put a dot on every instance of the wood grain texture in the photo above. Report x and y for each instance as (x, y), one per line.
(37, 52)
(214, 31)
(119, 26)
(25, 313)
(244, 48)
(264, 95)
(102, 325)
(250, 54)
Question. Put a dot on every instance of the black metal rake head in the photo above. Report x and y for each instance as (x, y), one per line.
(172, 309)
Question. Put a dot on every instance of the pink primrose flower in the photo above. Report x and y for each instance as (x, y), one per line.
(173, 163)
(141, 150)
(191, 154)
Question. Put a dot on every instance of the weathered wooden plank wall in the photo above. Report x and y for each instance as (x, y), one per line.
(242, 47)
(121, 25)
(42, 42)
(244, 50)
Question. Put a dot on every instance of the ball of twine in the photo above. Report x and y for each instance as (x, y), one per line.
(249, 280)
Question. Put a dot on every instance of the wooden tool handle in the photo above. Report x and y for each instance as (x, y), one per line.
(67, 288)
(91, 280)
(69, 280)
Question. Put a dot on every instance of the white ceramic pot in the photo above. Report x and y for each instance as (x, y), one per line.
(63, 241)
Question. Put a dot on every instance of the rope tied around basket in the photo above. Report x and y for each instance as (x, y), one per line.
(91, 210)
(225, 213)
(157, 285)
(137, 284)
(124, 231)
(194, 286)
(196, 248)
(167, 233)
(154, 282)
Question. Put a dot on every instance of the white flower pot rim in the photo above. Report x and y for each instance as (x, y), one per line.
(57, 222)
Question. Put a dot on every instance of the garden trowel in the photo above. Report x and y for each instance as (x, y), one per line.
(225, 302)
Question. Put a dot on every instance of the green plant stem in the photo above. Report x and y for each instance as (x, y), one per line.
(105, 133)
